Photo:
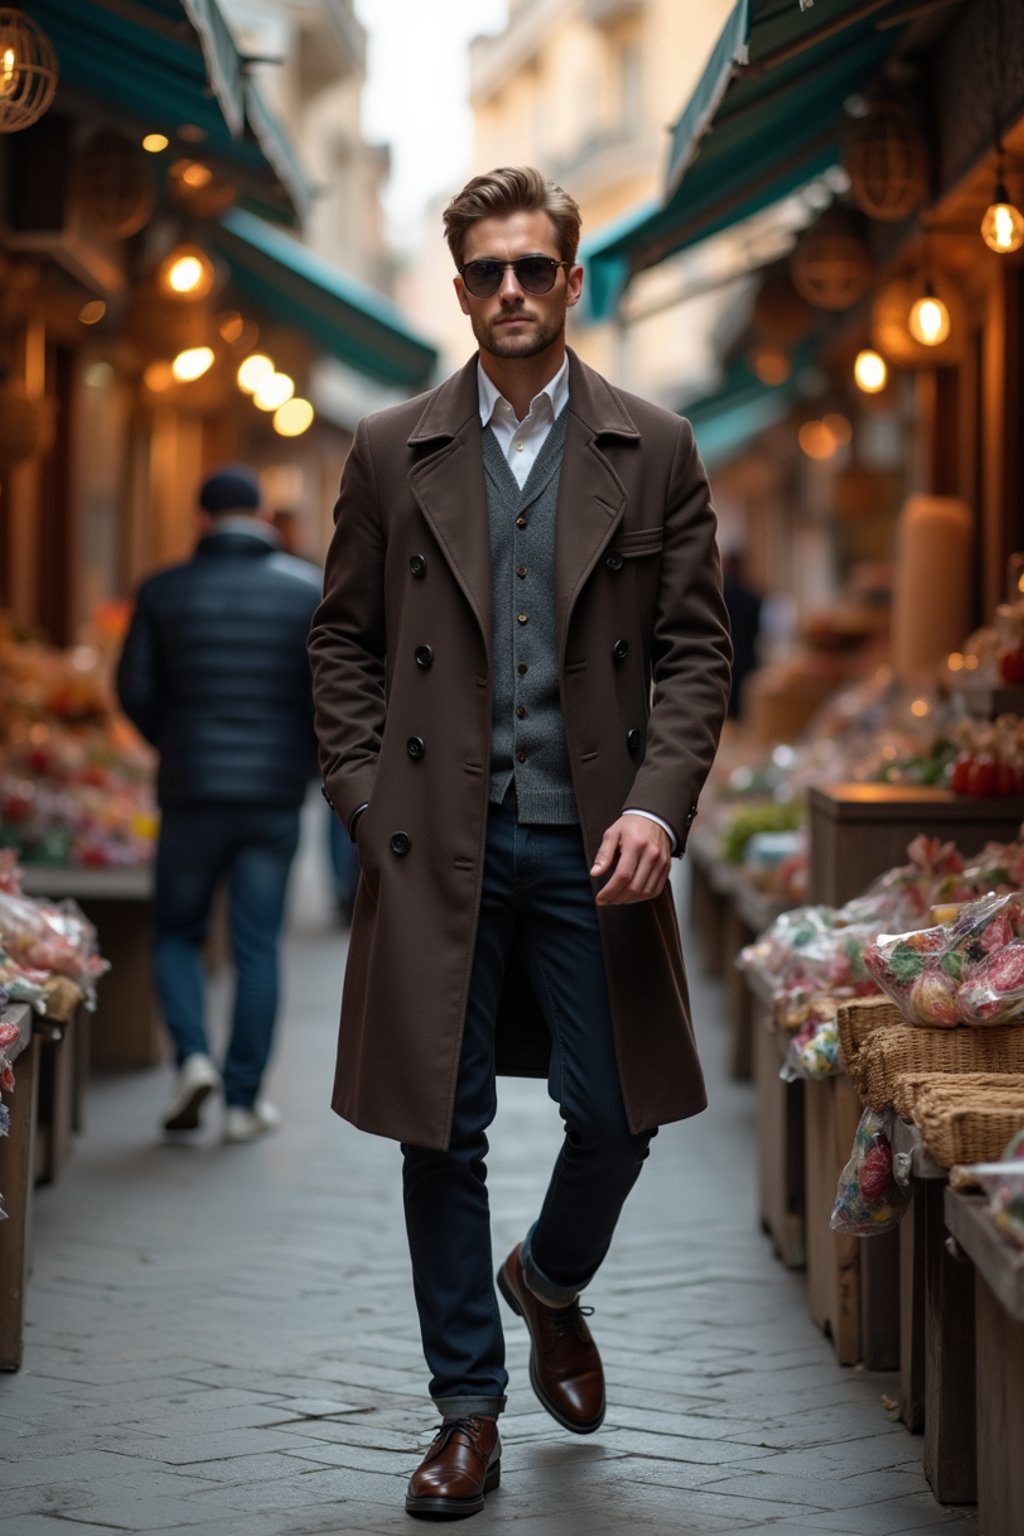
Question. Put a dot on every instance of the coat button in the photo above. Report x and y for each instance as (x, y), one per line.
(620, 650)
(424, 656)
(401, 842)
(415, 747)
(520, 756)
(614, 561)
(520, 522)
(418, 566)
(633, 740)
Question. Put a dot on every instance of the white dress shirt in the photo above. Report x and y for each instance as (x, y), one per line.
(521, 441)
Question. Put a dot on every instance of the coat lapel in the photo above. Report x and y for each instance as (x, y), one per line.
(591, 497)
(448, 484)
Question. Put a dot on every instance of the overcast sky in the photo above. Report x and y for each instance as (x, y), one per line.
(416, 96)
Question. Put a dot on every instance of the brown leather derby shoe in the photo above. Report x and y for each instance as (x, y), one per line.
(462, 1464)
(565, 1367)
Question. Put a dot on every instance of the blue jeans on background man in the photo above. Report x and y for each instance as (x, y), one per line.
(537, 894)
(252, 847)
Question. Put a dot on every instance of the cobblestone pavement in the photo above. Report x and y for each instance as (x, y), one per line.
(222, 1339)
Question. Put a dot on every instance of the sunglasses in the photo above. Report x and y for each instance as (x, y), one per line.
(534, 274)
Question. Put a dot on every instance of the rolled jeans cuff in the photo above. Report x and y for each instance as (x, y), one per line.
(469, 1407)
(548, 1291)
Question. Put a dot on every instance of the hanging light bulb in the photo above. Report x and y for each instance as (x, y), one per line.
(254, 371)
(928, 321)
(1002, 228)
(294, 417)
(186, 273)
(274, 391)
(870, 371)
(192, 364)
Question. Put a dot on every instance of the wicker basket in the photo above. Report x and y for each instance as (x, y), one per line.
(908, 1048)
(968, 1133)
(859, 1019)
(995, 1087)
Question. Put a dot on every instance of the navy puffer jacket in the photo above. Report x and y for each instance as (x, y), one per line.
(214, 671)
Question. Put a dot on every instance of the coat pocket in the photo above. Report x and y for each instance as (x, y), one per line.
(639, 541)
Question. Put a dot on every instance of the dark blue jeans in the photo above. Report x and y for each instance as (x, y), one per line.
(252, 847)
(537, 895)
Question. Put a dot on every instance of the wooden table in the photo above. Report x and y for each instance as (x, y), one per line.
(17, 1177)
(780, 1132)
(937, 1347)
(748, 913)
(711, 880)
(998, 1276)
(126, 1030)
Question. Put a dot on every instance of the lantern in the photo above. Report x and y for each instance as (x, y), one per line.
(114, 186)
(28, 71)
(891, 329)
(886, 159)
(831, 267)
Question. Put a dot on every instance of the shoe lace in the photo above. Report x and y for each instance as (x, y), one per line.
(470, 1427)
(571, 1319)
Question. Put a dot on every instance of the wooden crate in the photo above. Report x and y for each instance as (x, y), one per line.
(17, 1177)
(832, 1110)
(125, 1028)
(780, 1135)
(998, 1276)
(857, 831)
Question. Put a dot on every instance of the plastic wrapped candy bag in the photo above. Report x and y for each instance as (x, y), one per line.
(869, 1201)
(813, 1053)
(51, 937)
(967, 971)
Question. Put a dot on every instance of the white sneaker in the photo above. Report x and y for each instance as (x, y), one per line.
(197, 1078)
(246, 1124)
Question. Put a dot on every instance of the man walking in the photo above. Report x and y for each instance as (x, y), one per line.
(521, 667)
(215, 675)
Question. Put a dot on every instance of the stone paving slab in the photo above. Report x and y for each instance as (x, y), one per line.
(223, 1340)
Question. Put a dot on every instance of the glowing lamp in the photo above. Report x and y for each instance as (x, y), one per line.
(1002, 228)
(870, 371)
(255, 370)
(274, 391)
(294, 417)
(928, 321)
(192, 364)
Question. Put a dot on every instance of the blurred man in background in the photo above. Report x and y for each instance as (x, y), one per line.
(214, 674)
(744, 607)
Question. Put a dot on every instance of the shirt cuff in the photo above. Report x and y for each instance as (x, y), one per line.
(633, 811)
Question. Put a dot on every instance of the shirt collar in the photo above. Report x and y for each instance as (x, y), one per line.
(556, 390)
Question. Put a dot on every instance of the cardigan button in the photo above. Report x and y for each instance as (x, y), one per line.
(614, 561)
(415, 747)
(620, 650)
(418, 566)
(633, 739)
(424, 656)
(401, 842)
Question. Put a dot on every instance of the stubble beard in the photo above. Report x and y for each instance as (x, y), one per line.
(493, 338)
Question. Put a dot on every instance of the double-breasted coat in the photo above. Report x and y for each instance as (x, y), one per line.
(400, 651)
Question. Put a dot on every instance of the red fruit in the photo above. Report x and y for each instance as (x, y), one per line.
(960, 779)
(982, 779)
(1011, 665)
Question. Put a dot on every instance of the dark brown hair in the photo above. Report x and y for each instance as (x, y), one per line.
(512, 189)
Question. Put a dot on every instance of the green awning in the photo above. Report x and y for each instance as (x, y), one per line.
(166, 64)
(732, 416)
(766, 118)
(343, 317)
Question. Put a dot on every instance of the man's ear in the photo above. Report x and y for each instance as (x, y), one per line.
(573, 286)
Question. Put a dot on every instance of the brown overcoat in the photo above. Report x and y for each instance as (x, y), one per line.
(400, 653)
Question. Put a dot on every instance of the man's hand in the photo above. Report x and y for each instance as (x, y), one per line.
(641, 853)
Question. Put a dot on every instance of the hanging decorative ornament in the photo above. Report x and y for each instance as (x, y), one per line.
(886, 158)
(115, 188)
(28, 71)
(197, 188)
(831, 266)
(892, 329)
